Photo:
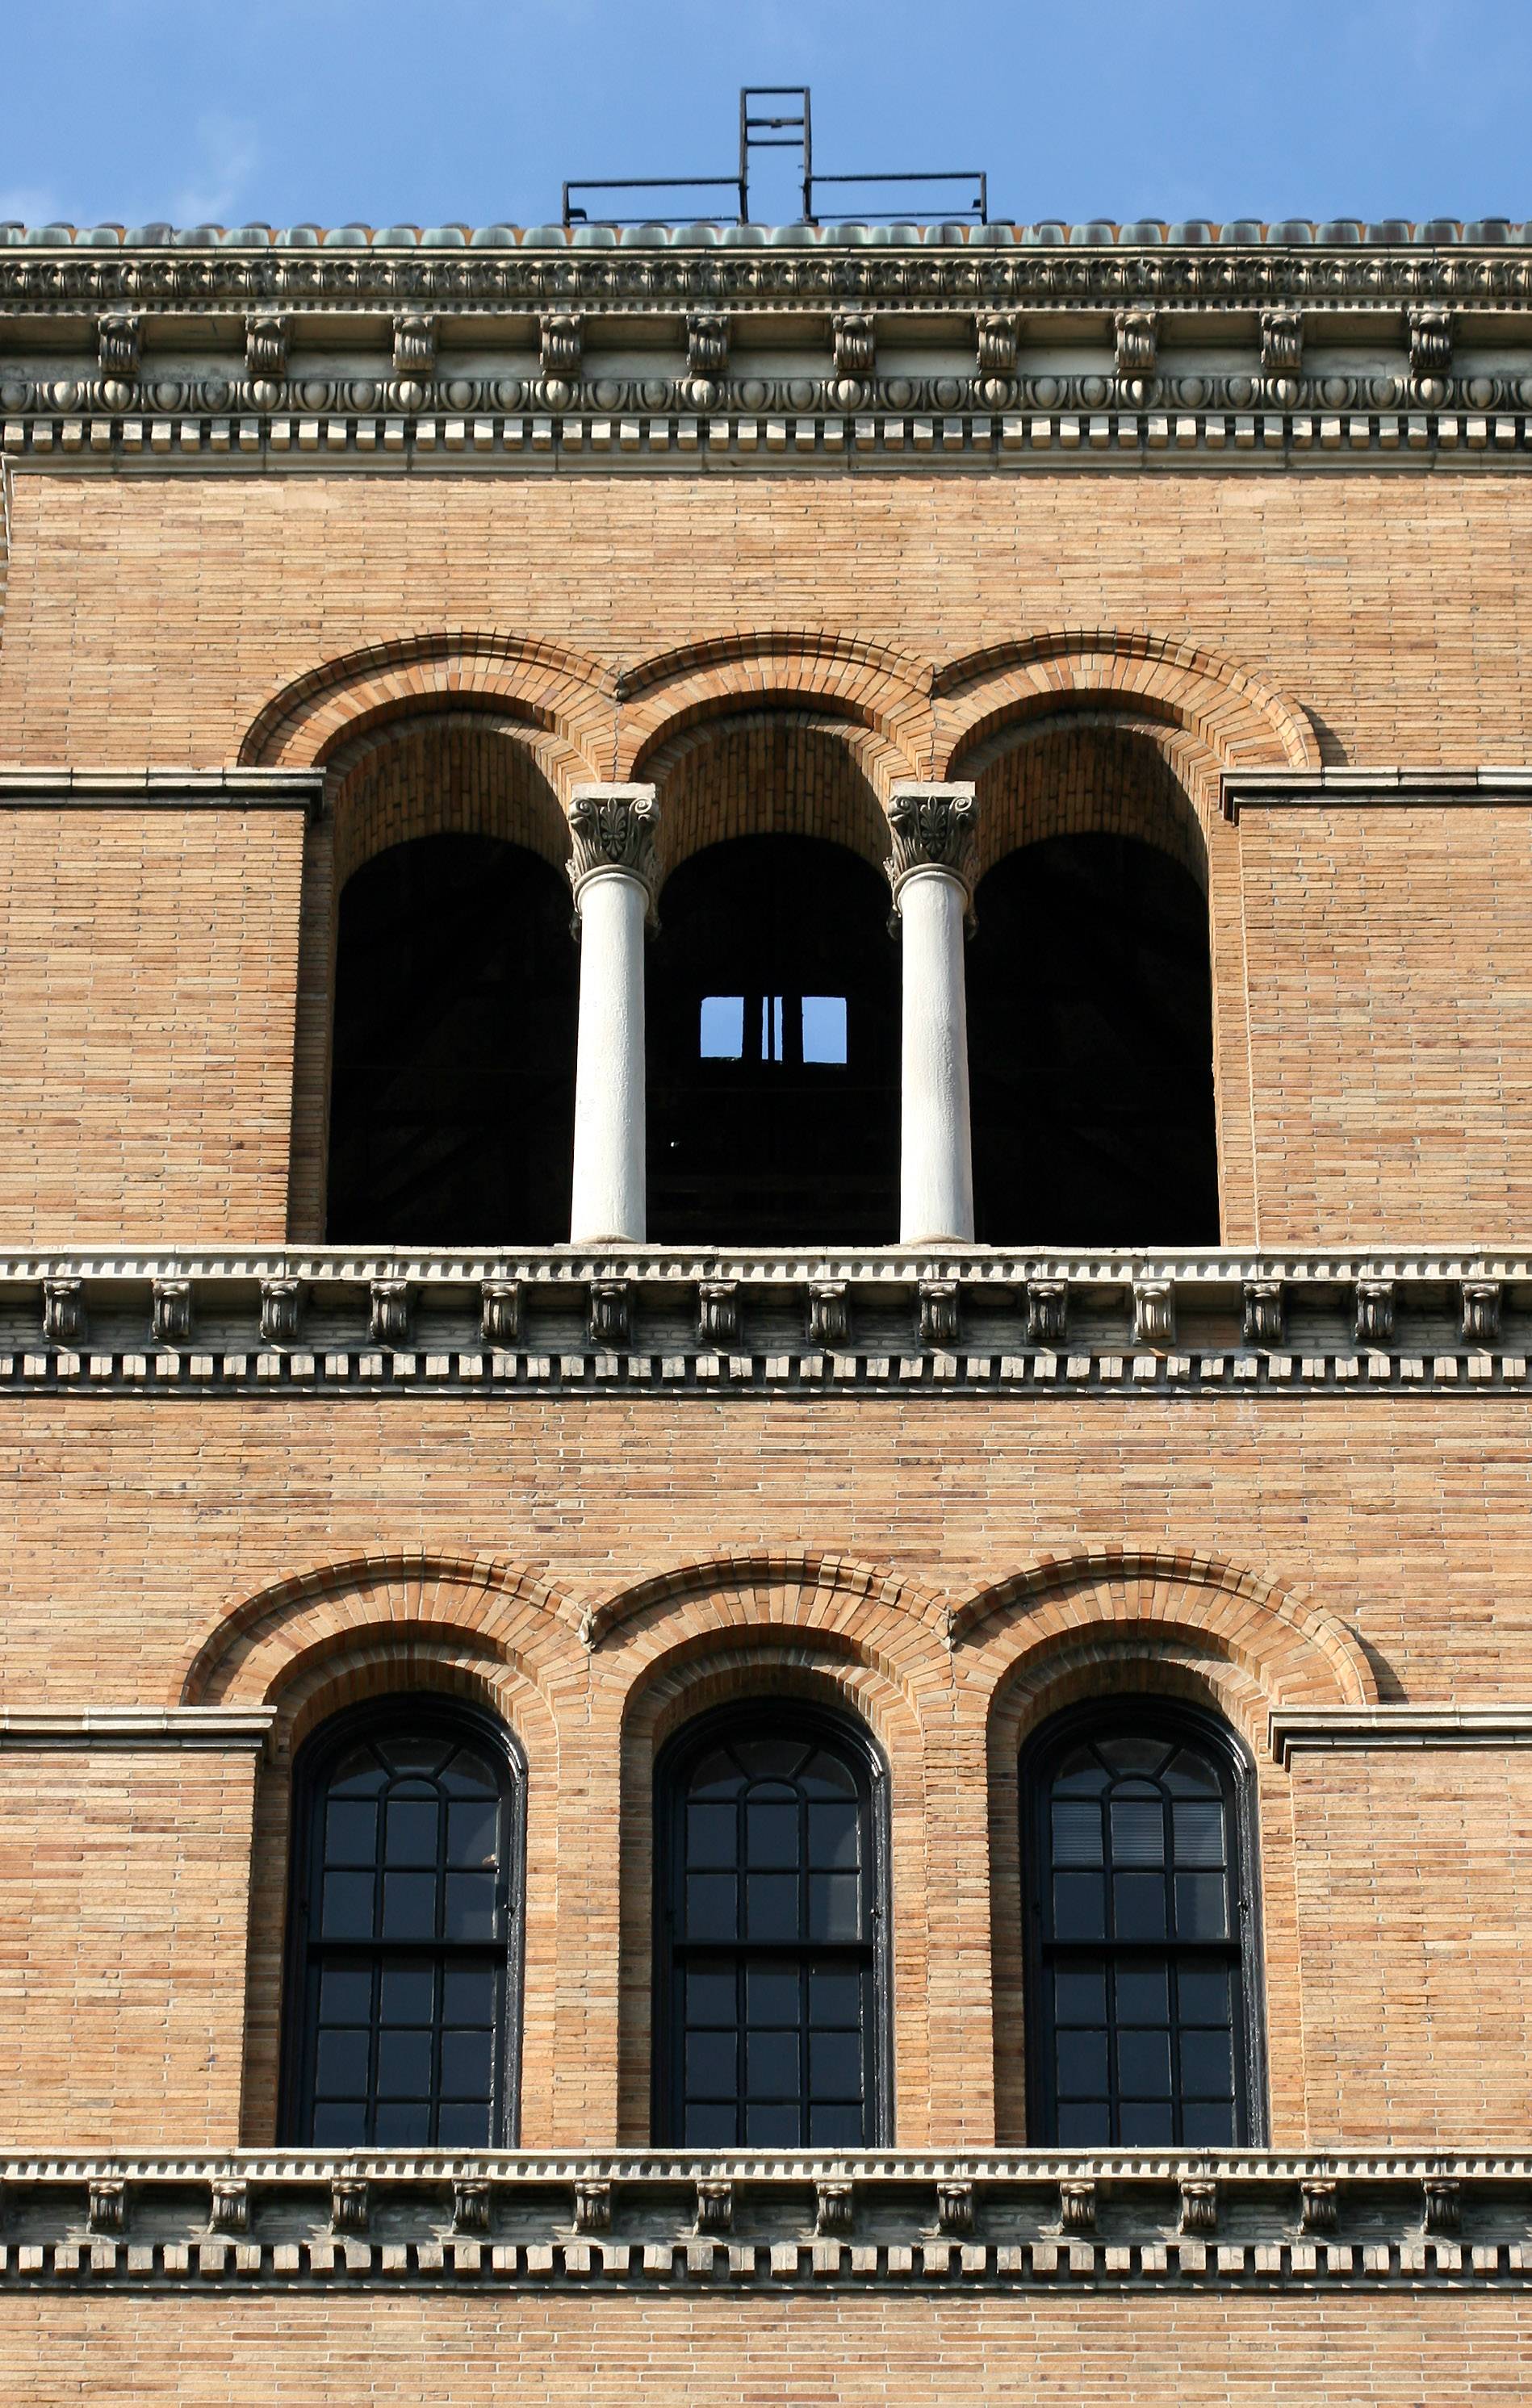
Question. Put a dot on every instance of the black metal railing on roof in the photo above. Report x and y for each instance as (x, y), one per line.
(780, 129)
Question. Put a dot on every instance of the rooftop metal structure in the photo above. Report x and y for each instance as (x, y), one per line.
(769, 120)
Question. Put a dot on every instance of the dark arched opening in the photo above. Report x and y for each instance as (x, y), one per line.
(453, 1081)
(1091, 1048)
(774, 1048)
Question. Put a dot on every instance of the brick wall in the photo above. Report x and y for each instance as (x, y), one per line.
(123, 1881)
(1210, 2351)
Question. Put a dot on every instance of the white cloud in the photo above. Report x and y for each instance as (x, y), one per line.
(31, 205)
(227, 153)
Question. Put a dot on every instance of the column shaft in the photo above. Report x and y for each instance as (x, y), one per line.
(613, 876)
(935, 1170)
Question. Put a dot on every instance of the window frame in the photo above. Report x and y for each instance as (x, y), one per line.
(765, 1717)
(313, 1765)
(1113, 1717)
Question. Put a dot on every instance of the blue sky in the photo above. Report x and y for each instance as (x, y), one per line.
(433, 110)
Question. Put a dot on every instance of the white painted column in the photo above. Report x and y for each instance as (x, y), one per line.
(613, 871)
(931, 870)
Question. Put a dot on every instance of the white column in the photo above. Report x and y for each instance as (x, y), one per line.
(931, 870)
(612, 871)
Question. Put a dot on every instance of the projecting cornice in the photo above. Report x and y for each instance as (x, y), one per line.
(754, 345)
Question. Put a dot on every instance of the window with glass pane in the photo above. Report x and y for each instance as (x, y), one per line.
(403, 1927)
(770, 1933)
(1141, 2036)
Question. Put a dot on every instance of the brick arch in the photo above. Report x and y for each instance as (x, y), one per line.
(900, 1619)
(446, 772)
(864, 685)
(773, 772)
(1089, 772)
(1292, 1649)
(252, 1649)
(347, 1667)
(826, 1666)
(564, 700)
(1239, 716)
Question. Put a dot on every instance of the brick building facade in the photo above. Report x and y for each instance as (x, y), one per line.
(956, 559)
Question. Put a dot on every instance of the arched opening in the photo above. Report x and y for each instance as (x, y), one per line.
(772, 1932)
(774, 1048)
(404, 1932)
(1143, 2019)
(1090, 999)
(453, 1079)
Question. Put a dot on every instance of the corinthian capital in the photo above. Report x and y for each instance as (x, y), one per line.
(614, 829)
(933, 828)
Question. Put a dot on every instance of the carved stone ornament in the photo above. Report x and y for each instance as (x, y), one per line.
(499, 1313)
(415, 346)
(707, 343)
(230, 2210)
(1199, 2204)
(1282, 341)
(64, 1312)
(1077, 2206)
(388, 1317)
(1481, 1312)
(560, 344)
(351, 2204)
(995, 339)
(856, 343)
(955, 2208)
(718, 1313)
(834, 2207)
(610, 1313)
(1374, 1312)
(266, 344)
(1136, 335)
(1047, 1312)
(1264, 1304)
(933, 827)
(828, 1313)
(1154, 1313)
(592, 2207)
(170, 1311)
(107, 2205)
(1430, 341)
(939, 1313)
(1444, 2204)
(282, 1311)
(470, 2206)
(715, 2204)
(613, 827)
(118, 343)
(1321, 2205)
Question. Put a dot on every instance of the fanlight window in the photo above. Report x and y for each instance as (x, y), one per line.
(1143, 2028)
(403, 1927)
(770, 1971)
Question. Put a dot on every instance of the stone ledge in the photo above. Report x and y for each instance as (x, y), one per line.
(89, 1729)
(642, 2219)
(1329, 1727)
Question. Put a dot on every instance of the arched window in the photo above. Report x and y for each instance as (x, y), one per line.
(1143, 2027)
(405, 1928)
(771, 1935)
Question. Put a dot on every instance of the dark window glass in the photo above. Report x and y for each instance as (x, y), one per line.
(1141, 1865)
(404, 1918)
(770, 1933)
